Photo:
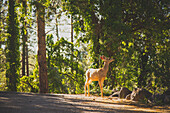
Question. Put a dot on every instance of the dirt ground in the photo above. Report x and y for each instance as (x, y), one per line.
(14, 102)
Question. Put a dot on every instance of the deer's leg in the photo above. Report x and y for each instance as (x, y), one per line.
(88, 85)
(85, 89)
(88, 90)
(101, 87)
(85, 86)
(87, 82)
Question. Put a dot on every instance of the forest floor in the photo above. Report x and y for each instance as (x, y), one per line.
(14, 102)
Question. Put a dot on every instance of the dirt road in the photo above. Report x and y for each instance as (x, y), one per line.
(12, 102)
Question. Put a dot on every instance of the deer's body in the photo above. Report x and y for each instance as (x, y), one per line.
(97, 75)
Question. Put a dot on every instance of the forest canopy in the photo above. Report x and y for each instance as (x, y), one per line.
(134, 33)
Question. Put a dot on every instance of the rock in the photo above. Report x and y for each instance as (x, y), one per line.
(158, 97)
(140, 94)
(124, 92)
(133, 94)
(167, 96)
(167, 92)
(128, 97)
(167, 99)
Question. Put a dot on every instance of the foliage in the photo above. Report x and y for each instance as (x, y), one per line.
(147, 36)
(3, 36)
(29, 84)
(61, 80)
(2, 70)
(135, 33)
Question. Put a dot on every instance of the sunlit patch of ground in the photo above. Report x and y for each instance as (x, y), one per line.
(116, 103)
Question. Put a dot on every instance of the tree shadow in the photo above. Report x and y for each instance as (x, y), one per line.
(14, 102)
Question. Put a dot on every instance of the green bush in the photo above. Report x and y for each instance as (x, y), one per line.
(29, 84)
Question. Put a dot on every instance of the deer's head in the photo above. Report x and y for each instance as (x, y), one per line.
(106, 59)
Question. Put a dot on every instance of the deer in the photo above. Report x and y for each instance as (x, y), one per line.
(97, 75)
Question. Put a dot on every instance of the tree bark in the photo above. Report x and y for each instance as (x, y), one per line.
(26, 39)
(143, 75)
(96, 37)
(43, 79)
(23, 55)
(72, 45)
(56, 20)
(27, 62)
(24, 36)
(12, 48)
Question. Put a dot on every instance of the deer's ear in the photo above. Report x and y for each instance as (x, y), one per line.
(101, 57)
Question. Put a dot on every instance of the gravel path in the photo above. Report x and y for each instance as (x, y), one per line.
(12, 102)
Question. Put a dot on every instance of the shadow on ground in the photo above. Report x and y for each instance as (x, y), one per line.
(14, 102)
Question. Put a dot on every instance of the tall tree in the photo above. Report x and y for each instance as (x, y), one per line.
(24, 34)
(1, 23)
(12, 48)
(26, 50)
(43, 79)
(26, 37)
(72, 44)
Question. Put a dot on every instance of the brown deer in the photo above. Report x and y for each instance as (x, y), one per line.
(97, 75)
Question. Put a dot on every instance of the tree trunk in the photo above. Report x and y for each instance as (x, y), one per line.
(1, 26)
(56, 20)
(43, 80)
(96, 37)
(58, 38)
(27, 62)
(12, 48)
(24, 36)
(143, 75)
(26, 39)
(72, 45)
(23, 54)
(72, 70)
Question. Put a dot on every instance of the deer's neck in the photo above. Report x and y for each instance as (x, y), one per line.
(106, 66)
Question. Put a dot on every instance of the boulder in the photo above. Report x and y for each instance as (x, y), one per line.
(167, 96)
(167, 92)
(167, 99)
(140, 94)
(124, 92)
(128, 97)
(158, 97)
